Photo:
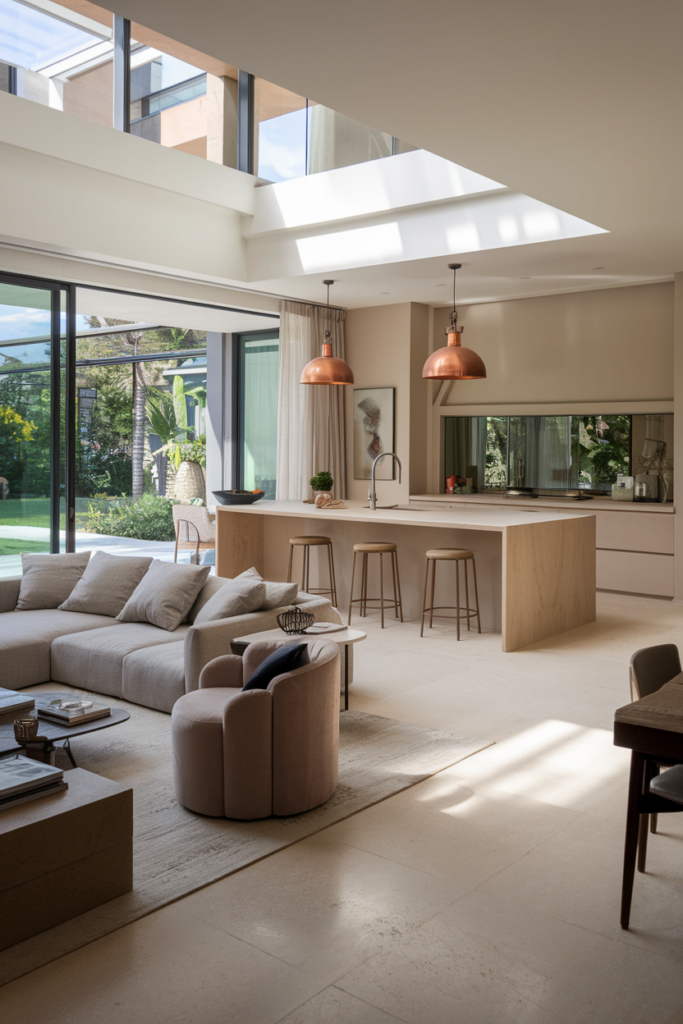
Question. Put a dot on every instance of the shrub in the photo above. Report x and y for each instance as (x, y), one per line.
(322, 481)
(148, 518)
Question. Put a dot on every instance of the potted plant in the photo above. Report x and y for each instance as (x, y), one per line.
(322, 484)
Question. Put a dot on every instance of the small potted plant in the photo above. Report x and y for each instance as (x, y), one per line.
(322, 484)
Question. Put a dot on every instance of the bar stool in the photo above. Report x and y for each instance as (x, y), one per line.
(376, 548)
(456, 555)
(307, 543)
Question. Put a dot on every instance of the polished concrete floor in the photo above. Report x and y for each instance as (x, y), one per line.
(487, 895)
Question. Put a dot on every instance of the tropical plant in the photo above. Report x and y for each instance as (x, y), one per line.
(322, 481)
(163, 420)
(194, 451)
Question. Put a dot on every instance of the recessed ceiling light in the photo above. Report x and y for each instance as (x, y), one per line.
(598, 268)
(440, 286)
(385, 293)
(525, 279)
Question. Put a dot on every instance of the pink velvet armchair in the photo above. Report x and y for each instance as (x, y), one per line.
(255, 753)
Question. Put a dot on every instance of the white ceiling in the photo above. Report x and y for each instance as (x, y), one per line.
(151, 310)
(576, 105)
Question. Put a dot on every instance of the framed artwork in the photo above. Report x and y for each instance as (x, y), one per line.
(373, 431)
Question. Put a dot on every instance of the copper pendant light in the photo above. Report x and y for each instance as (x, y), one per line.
(327, 369)
(454, 362)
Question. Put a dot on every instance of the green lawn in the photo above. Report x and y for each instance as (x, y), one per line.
(18, 547)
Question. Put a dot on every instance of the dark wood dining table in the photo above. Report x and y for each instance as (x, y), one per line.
(652, 728)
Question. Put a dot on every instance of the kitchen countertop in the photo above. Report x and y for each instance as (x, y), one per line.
(565, 504)
(496, 520)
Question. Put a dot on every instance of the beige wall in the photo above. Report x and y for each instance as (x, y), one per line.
(384, 345)
(611, 345)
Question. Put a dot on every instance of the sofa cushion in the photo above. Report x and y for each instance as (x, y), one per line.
(277, 594)
(155, 676)
(165, 594)
(237, 597)
(25, 639)
(107, 583)
(94, 660)
(49, 579)
(284, 659)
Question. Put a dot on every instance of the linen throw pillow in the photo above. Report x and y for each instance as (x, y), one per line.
(284, 659)
(106, 584)
(277, 594)
(165, 594)
(235, 597)
(49, 579)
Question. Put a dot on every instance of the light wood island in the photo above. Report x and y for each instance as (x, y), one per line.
(536, 570)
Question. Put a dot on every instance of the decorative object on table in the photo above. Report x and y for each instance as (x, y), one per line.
(622, 490)
(325, 627)
(322, 502)
(453, 362)
(12, 700)
(69, 711)
(22, 779)
(294, 621)
(25, 729)
(373, 430)
(238, 497)
(647, 487)
(326, 368)
(321, 485)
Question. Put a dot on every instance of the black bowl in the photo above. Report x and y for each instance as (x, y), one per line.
(237, 497)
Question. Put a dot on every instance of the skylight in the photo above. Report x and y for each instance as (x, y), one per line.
(32, 40)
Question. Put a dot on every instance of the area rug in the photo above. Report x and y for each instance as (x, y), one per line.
(177, 852)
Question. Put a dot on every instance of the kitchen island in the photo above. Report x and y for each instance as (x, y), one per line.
(536, 570)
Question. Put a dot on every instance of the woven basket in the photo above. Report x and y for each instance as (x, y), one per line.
(295, 621)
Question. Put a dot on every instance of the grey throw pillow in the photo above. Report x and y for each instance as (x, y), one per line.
(235, 597)
(49, 579)
(106, 584)
(277, 594)
(165, 594)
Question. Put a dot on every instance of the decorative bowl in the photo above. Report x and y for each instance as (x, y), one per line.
(294, 620)
(238, 497)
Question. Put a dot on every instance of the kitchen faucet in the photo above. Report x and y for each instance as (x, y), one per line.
(373, 496)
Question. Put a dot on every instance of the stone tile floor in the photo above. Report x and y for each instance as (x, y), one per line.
(489, 893)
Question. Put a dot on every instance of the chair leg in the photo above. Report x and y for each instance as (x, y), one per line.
(398, 583)
(353, 576)
(291, 556)
(635, 788)
(393, 579)
(333, 581)
(467, 593)
(424, 599)
(457, 597)
(381, 588)
(307, 567)
(653, 824)
(175, 557)
(364, 587)
(431, 600)
(476, 593)
(642, 841)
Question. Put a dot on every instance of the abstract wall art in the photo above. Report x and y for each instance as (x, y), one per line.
(373, 431)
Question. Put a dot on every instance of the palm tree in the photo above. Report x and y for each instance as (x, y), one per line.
(161, 415)
(138, 435)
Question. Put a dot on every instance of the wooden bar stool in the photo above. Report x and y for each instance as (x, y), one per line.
(380, 549)
(307, 543)
(456, 555)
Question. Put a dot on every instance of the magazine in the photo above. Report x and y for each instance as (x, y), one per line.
(70, 711)
(12, 700)
(326, 627)
(20, 774)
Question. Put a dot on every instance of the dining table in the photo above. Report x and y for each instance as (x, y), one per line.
(652, 728)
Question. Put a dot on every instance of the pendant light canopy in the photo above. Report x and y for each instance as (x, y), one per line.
(454, 362)
(327, 369)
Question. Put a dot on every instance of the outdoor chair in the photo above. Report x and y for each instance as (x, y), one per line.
(195, 527)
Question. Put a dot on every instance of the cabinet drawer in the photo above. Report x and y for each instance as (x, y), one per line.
(636, 531)
(635, 573)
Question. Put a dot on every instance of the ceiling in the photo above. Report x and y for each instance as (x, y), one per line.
(576, 105)
(152, 310)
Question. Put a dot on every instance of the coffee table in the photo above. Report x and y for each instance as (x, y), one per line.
(343, 638)
(54, 731)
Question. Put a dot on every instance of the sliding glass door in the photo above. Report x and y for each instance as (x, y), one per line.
(33, 404)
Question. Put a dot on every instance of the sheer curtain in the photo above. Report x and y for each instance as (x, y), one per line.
(311, 433)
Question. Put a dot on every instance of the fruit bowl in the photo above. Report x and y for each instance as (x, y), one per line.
(238, 497)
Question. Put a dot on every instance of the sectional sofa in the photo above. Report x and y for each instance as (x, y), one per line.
(139, 661)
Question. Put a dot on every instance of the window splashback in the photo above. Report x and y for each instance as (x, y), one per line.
(554, 453)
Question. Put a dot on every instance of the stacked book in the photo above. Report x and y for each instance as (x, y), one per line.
(13, 700)
(70, 711)
(22, 779)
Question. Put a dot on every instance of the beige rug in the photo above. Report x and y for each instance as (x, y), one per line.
(177, 852)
